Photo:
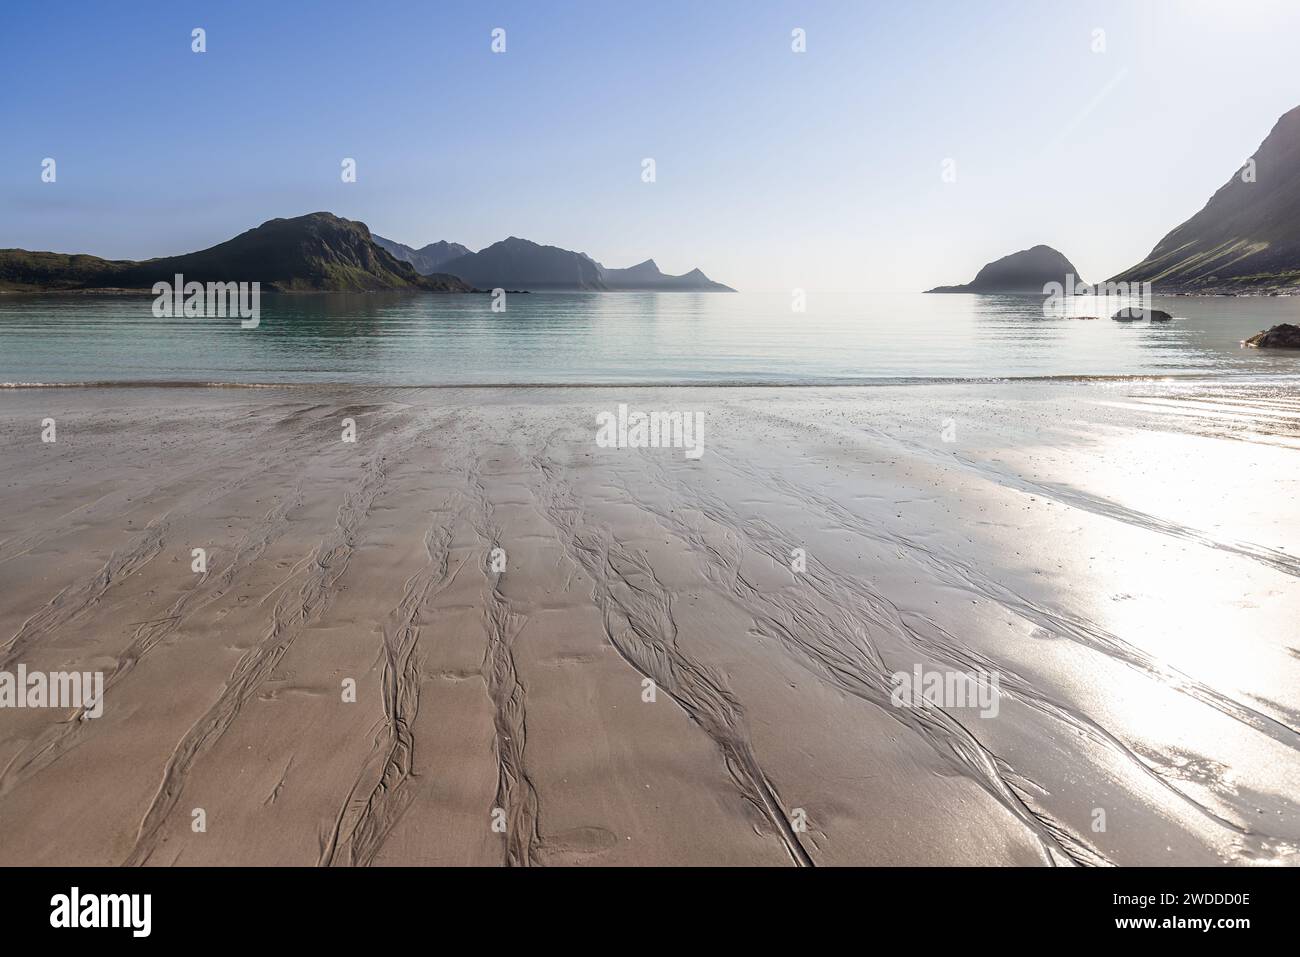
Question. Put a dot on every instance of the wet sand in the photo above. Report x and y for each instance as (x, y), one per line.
(1123, 556)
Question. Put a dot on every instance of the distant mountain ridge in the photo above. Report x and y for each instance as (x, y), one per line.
(1247, 236)
(1028, 270)
(647, 276)
(319, 252)
(515, 263)
(426, 259)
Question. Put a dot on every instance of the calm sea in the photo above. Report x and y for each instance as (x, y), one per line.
(419, 339)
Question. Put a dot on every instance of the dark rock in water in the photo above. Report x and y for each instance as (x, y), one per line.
(1028, 271)
(1133, 315)
(1285, 336)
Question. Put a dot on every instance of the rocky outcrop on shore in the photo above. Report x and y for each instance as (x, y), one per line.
(1284, 336)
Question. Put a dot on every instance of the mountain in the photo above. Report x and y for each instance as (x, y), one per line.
(321, 252)
(646, 276)
(317, 252)
(1248, 234)
(1026, 271)
(519, 264)
(426, 259)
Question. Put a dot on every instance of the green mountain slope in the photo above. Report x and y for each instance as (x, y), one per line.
(319, 252)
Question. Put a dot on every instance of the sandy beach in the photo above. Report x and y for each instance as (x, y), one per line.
(670, 660)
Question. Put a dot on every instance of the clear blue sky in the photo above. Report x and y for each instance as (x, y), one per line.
(776, 170)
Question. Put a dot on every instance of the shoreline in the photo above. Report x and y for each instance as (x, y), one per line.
(1271, 293)
(882, 382)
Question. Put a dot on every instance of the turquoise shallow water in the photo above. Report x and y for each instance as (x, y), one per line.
(557, 338)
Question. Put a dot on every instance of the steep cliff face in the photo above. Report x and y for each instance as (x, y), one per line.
(1248, 234)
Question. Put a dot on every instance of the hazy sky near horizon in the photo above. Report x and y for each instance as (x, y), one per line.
(775, 170)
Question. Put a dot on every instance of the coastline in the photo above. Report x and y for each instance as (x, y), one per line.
(1051, 542)
(863, 383)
